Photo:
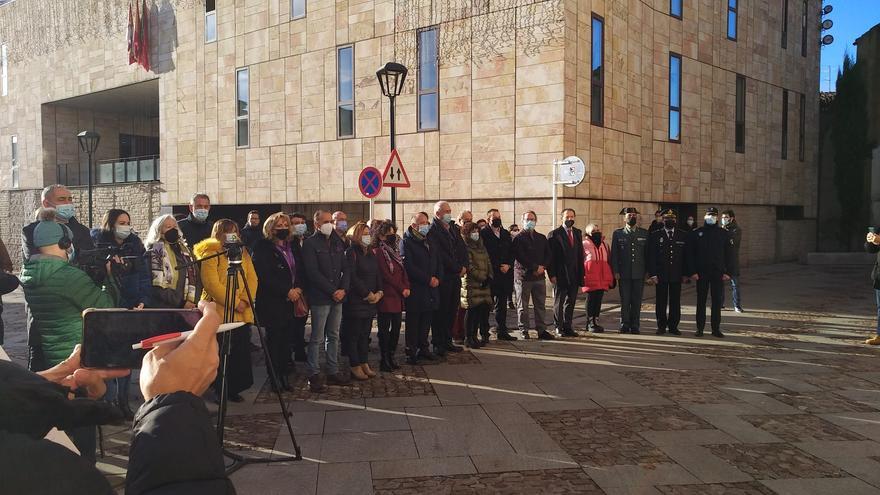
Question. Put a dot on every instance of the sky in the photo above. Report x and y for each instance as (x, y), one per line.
(851, 19)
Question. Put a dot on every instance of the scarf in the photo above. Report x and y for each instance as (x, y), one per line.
(163, 264)
(391, 256)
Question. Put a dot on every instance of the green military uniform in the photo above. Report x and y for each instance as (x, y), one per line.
(629, 262)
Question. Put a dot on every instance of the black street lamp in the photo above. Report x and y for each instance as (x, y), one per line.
(391, 78)
(88, 141)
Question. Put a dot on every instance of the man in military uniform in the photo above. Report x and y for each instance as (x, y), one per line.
(708, 255)
(628, 262)
(666, 252)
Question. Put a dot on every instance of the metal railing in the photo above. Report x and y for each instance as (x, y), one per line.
(131, 169)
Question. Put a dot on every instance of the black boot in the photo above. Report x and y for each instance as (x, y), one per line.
(597, 328)
(393, 362)
(393, 339)
(504, 334)
(384, 362)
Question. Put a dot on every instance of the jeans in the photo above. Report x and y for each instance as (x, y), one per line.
(537, 291)
(358, 340)
(325, 332)
(734, 289)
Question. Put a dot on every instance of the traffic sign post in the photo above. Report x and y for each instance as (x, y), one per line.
(370, 184)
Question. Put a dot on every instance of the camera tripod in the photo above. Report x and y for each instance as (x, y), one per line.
(233, 273)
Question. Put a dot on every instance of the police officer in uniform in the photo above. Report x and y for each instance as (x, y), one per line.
(666, 253)
(628, 262)
(709, 254)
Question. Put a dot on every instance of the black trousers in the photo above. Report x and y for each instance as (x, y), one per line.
(668, 294)
(278, 343)
(239, 373)
(358, 340)
(389, 332)
(564, 299)
(417, 325)
(502, 298)
(444, 317)
(705, 284)
(594, 303)
(476, 320)
(298, 338)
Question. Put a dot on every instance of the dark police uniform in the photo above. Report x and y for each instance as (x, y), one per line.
(709, 253)
(666, 261)
(628, 260)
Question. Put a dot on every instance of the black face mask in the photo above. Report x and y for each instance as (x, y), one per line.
(631, 221)
(282, 233)
(496, 222)
(670, 224)
(597, 237)
(172, 236)
(569, 224)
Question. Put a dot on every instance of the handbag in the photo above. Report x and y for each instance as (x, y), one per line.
(301, 307)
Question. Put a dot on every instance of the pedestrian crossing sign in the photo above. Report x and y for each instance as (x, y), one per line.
(395, 174)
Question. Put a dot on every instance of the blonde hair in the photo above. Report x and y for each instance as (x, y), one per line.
(353, 231)
(44, 214)
(269, 224)
(223, 226)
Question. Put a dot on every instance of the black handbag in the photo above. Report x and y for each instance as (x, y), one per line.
(8, 283)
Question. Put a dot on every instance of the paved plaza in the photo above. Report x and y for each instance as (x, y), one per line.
(788, 403)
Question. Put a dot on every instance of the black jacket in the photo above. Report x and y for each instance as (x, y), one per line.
(666, 256)
(273, 307)
(82, 238)
(250, 235)
(530, 249)
(709, 252)
(135, 279)
(568, 258)
(875, 272)
(194, 231)
(736, 236)
(445, 246)
(326, 270)
(421, 263)
(365, 278)
(500, 250)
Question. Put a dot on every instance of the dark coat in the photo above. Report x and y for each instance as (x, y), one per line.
(365, 278)
(421, 264)
(273, 272)
(530, 249)
(393, 283)
(568, 258)
(326, 271)
(500, 250)
(82, 238)
(629, 253)
(736, 236)
(475, 285)
(709, 252)
(666, 256)
(194, 231)
(444, 241)
(250, 235)
(875, 272)
(135, 282)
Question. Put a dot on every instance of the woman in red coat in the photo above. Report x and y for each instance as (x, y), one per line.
(396, 288)
(597, 274)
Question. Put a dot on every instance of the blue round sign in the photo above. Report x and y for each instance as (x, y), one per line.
(370, 182)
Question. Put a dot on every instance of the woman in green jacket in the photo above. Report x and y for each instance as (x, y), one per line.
(476, 294)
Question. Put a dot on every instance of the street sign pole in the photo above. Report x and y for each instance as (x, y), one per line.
(553, 211)
(393, 147)
(571, 174)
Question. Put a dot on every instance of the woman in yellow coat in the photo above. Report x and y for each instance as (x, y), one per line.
(239, 375)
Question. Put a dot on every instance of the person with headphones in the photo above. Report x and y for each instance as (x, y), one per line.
(57, 293)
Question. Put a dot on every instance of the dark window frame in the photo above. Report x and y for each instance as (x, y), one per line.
(784, 143)
(672, 108)
(802, 136)
(784, 24)
(740, 119)
(732, 11)
(672, 5)
(597, 86)
(239, 114)
(804, 24)
(431, 91)
(339, 102)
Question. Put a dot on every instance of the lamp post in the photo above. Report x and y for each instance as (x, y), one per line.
(88, 141)
(391, 77)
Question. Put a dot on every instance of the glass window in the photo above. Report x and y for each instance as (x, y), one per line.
(597, 71)
(131, 171)
(731, 19)
(297, 9)
(105, 173)
(345, 91)
(242, 92)
(784, 24)
(804, 31)
(119, 172)
(740, 114)
(784, 124)
(147, 169)
(13, 153)
(210, 22)
(802, 104)
(674, 97)
(429, 80)
(675, 8)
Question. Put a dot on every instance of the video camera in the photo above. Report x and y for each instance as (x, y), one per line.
(121, 257)
(233, 247)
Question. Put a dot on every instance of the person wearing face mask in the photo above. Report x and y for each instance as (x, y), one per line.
(196, 227)
(366, 291)
(531, 254)
(172, 286)
(327, 285)
(423, 271)
(298, 232)
(458, 326)
(728, 222)
(395, 286)
(628, 262)
(709, 254)
(499, 245)
(597, 275)
(476, 292)
(279, 266)
(340, 223)
(566, 271)
(657, 223)
(445, 241)
(690, 224)
(666, 267)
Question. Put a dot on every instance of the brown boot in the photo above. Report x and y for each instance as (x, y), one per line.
(367, 371)
(875, 340)
(357, 373)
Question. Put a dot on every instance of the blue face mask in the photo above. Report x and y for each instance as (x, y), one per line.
(529, 225)
(200, 214)
(299, 229)
(447, 217)
(342, 225)
(65, 212)
(710, 220)
(424, 229)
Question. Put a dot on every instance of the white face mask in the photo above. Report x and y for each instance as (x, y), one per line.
(327, 229)
(123, 231)
(725, 222)
(710, 219)
(366, 240)
(475, 236)
(690, 222)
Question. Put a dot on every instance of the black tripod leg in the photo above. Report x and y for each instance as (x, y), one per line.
(225, 347)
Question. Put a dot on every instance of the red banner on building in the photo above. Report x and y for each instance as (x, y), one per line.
(138, 35)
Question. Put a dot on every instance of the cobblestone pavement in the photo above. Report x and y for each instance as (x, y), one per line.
(788, 403)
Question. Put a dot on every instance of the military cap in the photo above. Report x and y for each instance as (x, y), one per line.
(712, 211)
(669, 213)
(629, 210)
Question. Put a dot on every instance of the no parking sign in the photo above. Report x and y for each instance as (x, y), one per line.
(370, 182)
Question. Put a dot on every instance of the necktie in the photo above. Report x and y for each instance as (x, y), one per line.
(570, 238)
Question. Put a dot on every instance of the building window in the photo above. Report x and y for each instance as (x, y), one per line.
(675, 97)
(740, 114)
(4, 69)
(429, 80)
(210, 21)
(804, 31)
(784, 24)
(731, 19)
(802, 127)
(675, 8)
(597, 72)
(345, 91)
(785, 124)
(242, 97)
(297, 9)
(14, 154)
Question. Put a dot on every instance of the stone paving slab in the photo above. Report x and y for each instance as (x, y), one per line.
(558, 481)
(635, 476)
(848, 486)
(434, 466)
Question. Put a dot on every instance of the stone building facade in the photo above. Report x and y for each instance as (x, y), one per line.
(503, 115)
